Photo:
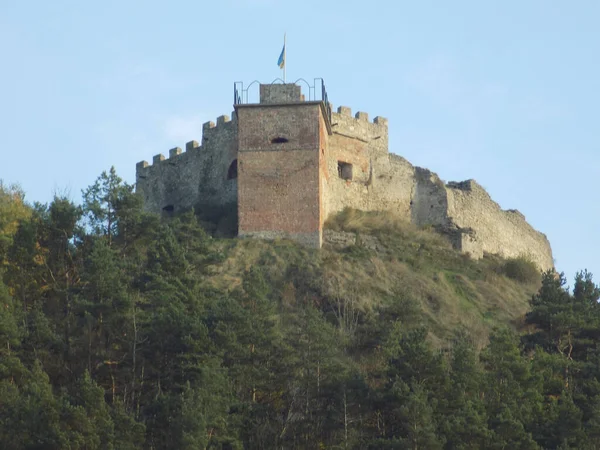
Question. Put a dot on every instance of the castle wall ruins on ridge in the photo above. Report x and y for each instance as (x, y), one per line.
(288, 165)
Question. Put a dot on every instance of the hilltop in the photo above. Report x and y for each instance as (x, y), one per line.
(373, 265)
(289, 163)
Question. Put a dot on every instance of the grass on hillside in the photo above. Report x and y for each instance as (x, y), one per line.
(412, 266)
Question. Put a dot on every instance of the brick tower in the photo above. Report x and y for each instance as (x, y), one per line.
(281, 146)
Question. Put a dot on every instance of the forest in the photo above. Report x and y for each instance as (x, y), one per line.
(124, 330)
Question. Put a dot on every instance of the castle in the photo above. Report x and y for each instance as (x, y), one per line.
(289, 163)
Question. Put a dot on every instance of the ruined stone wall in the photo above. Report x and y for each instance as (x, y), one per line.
(279, 176)
(198, 176)
(464, 212)
(502, 232)
(429, 199)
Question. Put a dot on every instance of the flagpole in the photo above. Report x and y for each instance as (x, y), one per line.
(284, 57)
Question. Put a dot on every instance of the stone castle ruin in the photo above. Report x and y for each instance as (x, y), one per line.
(289, 163)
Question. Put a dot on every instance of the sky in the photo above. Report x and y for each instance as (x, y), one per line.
(504, 92)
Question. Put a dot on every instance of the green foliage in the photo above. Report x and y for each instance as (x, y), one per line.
(13, 209)
(219, 221)
(521, 269)
(119, 330)
(107, 205)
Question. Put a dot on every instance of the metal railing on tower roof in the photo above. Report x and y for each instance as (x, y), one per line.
(316, 92)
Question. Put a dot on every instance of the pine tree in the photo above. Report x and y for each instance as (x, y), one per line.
(512, 393)
(103, 201)
(462, 413)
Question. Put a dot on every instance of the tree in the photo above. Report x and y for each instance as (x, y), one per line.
(30, 413)
(102, 202)
(512, 392)
(11, 333)
(463, 419)
(245, 329)
(204, 420)
(415, 380)
(13, 210)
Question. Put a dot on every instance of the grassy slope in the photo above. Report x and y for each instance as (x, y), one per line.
(409, 267)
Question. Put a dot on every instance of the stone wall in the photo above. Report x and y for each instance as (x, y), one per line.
(502, 232)
(198, 176)
(380, 181)
(429, 202)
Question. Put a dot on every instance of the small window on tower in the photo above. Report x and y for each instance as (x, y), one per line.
(279, 140)
(344, 170)
(232, 172)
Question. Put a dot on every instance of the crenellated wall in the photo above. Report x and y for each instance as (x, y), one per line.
(380, 181)
(297, 166)
(198, 176)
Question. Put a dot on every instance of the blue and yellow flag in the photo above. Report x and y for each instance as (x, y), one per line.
(281, 60)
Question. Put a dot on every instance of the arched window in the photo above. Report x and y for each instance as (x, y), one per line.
(232, 172)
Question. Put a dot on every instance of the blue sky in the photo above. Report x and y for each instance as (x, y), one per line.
(505, 92)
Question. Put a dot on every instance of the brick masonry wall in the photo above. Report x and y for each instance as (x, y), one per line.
(279, 182)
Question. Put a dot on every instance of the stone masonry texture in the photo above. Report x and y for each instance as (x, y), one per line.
(288, 166)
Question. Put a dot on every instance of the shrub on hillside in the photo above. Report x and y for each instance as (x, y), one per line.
(521, 269)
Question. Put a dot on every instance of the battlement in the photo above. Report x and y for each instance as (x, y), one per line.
(359, 127)
(345, 112)
(345, 123)
(222, 121)
(223, 128)
(174, 154)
